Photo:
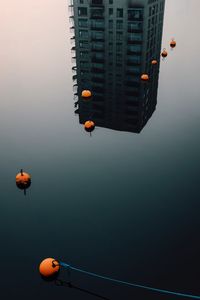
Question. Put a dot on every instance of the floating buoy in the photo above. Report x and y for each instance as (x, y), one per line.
(49, 268)
(89, 126)
(173, 43)
(154, 62)
(86, 94)
(164, 53)
(144, 77)
(23, 180)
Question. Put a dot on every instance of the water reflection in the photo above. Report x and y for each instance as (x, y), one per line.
(63, 283)
(114, 44)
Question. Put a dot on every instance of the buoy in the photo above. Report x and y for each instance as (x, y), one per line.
(86, 94)
(144, 77)
(154, 62)
(89, 126)
(23, 180)
(173, 43)
(164, 53)
(49, 268)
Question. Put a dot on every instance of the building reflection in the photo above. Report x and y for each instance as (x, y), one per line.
(114, 43)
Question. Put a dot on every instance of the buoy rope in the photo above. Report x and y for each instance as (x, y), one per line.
(69, 267)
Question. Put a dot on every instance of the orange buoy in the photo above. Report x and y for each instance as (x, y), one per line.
(164, 53)
(49, 268)
(23, 180)
(89, 126)
(154, 62)
(86, 94)
(173, 43)
(144, 77)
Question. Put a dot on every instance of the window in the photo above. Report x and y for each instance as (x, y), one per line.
(83, 23)
(135, 37)
(84, 44)
(119, 13)
(119, 36)
(134, 59)
(119, 47)
(83, 34)
(119, 24)
(135, 48)
(135, 26)
(97, 13)
(135, 14)
(98, 46)
(97, 35)
(110, 24)
(110, 11)
(110, 46)
(84, 54)
(110, 35)
(82, 11)
(97, 24)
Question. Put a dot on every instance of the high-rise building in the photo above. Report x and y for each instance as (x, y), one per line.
(115, 42)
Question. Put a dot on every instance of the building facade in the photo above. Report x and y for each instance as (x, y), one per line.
(114, 44)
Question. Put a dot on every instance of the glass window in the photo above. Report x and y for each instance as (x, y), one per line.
(119, 12)
(135, 36)
(97, 35)
(97, 24)
(83, 23)
(82, 11)
(135, 48)
(119, 36)
(135, 14)
(110, 24)
(84, 44)
(110, 35)
(83, 34)
(119, 47)
(135, 26)
(97, 46)
(97, 13)
(119, 24)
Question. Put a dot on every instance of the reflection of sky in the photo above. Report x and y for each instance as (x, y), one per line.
(34, 41)
(151, 178)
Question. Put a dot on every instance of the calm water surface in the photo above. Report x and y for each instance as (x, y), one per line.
(118, 203)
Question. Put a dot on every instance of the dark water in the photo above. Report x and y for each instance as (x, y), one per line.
(121, 204)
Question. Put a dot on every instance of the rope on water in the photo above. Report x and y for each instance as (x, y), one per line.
(69, 267)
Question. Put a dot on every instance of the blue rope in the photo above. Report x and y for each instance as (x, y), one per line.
(69, 267)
